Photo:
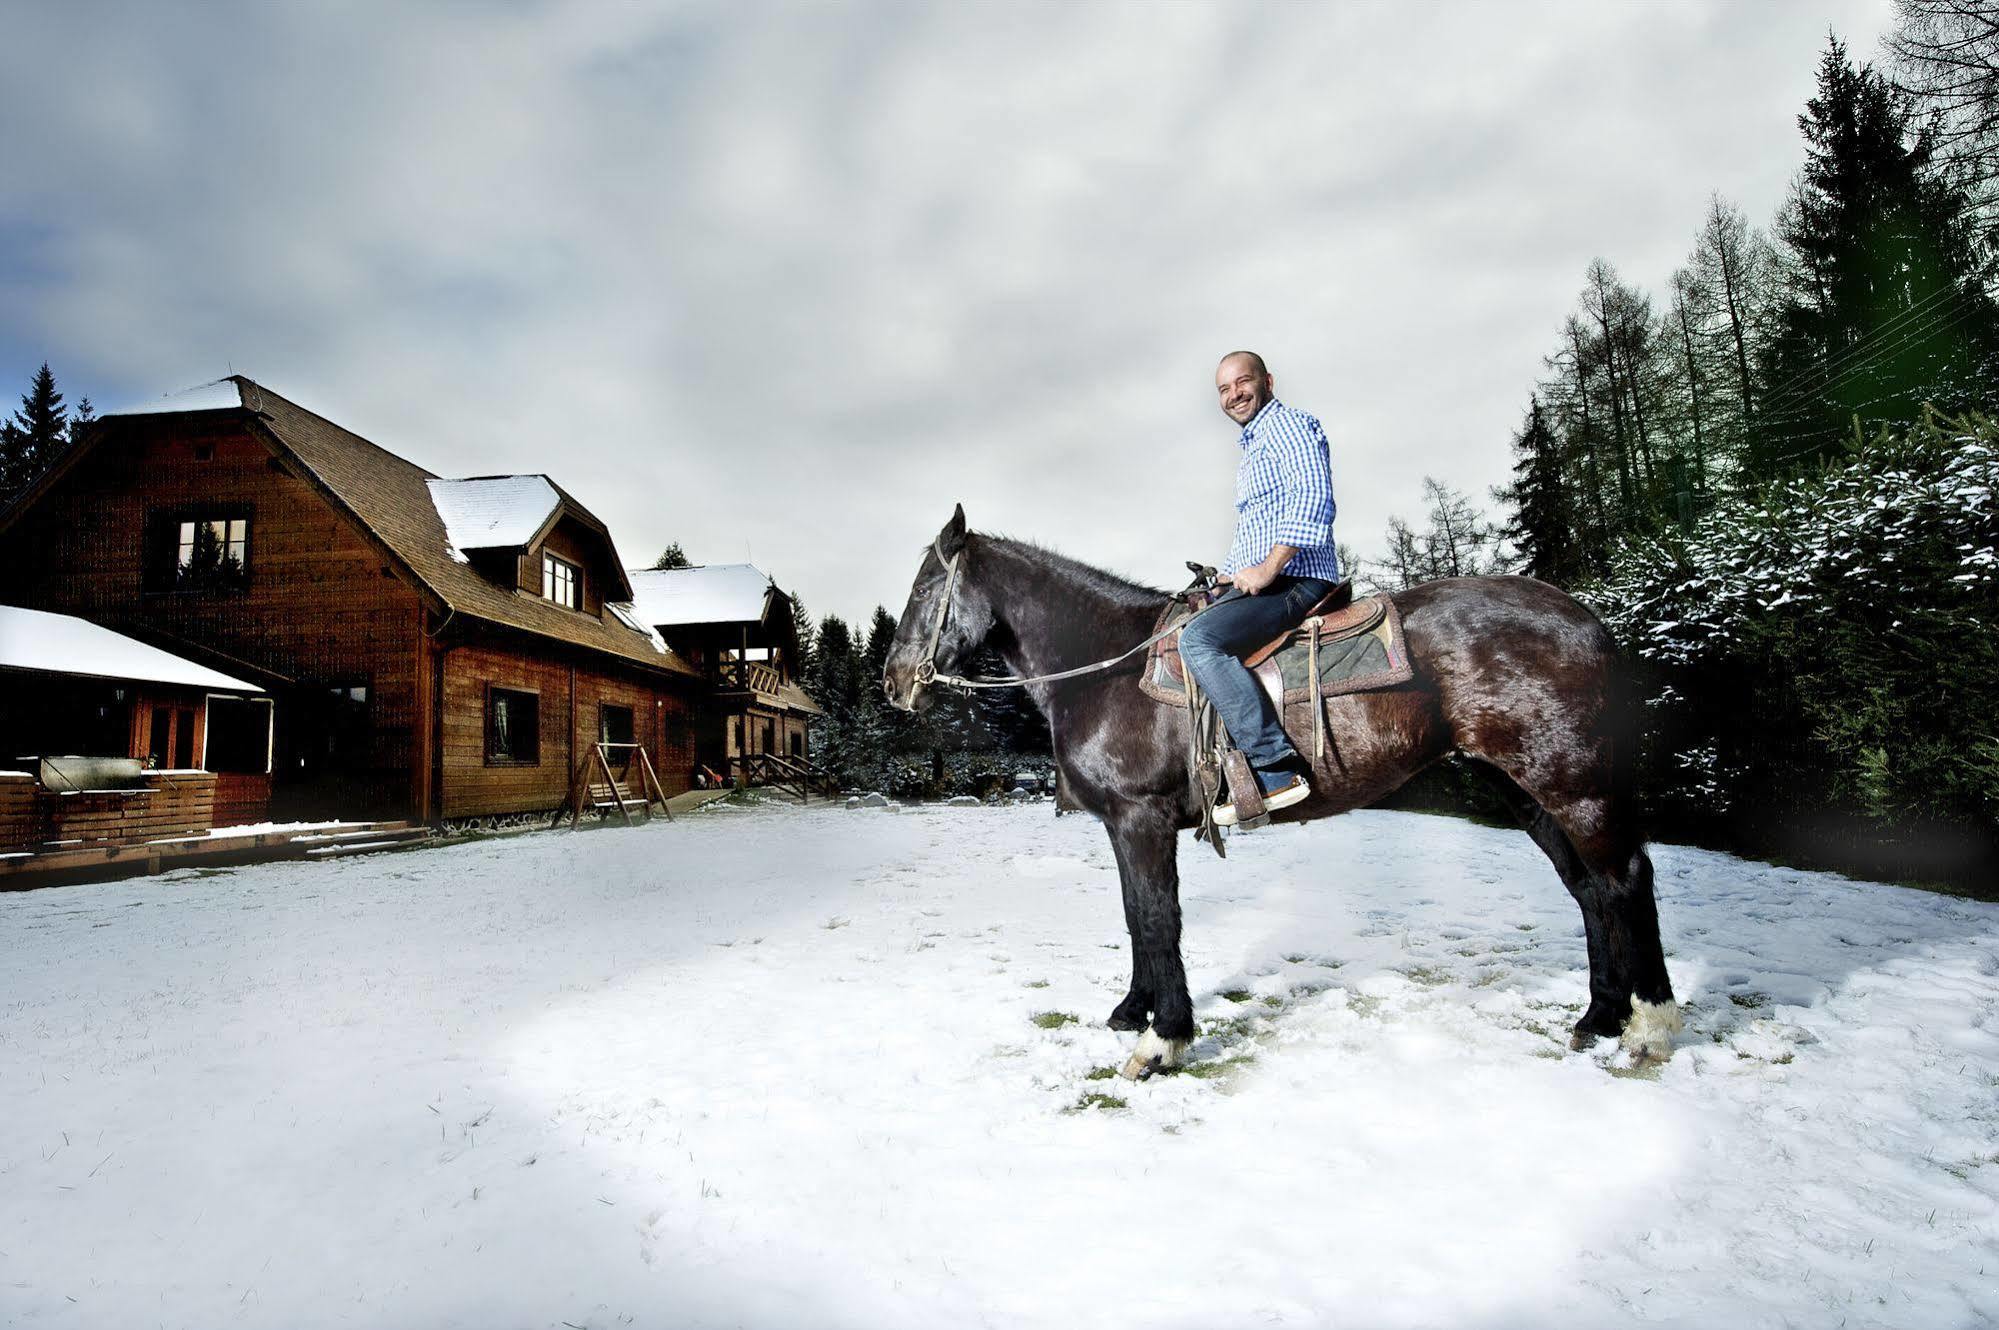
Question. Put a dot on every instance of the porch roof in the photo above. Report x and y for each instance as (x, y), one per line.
(65, 644)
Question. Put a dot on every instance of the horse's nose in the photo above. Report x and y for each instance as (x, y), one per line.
(888, 687)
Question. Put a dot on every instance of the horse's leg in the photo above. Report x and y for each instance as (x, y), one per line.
(1144, 835)
(1136, 1009)
(1632, 963)
(1609, 991)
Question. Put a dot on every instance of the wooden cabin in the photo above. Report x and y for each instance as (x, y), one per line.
(438, 649)
(106, 738)
(732, 623)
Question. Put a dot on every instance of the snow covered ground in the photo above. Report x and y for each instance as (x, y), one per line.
(788, 1068)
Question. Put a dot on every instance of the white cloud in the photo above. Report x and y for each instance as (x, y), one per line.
(798, 280)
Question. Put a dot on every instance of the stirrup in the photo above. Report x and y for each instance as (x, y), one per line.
(1285, 796)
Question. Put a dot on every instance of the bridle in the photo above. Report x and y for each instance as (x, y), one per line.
(926, 672)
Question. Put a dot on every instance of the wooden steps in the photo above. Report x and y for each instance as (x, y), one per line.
(379, 836)
(33, 866)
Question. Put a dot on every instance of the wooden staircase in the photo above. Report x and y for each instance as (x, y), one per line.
(785, 774)
(360, 840)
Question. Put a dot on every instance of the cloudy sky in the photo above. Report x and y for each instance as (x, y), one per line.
(785, 283)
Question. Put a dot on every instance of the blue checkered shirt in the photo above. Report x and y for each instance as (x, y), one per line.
(1284, 494)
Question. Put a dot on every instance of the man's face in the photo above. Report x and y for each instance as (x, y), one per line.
(1243, 390)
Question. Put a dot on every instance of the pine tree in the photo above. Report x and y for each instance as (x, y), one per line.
(12, 445)
(1542, 529)
(80, 421)
(1881, 309)
(41, 430)
(887, 732)
(808, 637)
(671, 557)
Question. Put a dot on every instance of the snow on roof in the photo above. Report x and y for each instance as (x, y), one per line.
(220, 395)
(493, 512)
(628, 616)
(715, 593)
(65, 644)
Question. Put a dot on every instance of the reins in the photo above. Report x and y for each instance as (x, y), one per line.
(926, 670)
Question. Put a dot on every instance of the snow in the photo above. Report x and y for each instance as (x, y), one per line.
(715, 593)
(492, 512)
(65, 644)
(219, 395)
(782, 1068)
(630, 619)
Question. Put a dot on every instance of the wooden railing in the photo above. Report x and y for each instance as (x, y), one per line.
(752, 674)
(781, 771)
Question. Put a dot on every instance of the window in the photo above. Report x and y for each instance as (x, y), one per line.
(239, 735)
(513, 727)
(344, 722)
(561, 582)
(614, 724)
(170, 741)
(201, 551)
(212, 550)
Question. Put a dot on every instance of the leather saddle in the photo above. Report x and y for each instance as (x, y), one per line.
(1338, 613)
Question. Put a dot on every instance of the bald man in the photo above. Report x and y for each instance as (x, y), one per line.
(1281, 563)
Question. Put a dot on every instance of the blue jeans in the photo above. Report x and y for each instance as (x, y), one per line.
(1212, 646)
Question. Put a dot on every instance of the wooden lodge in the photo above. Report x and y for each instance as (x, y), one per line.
(437, 649)
(733, 624)
(108, 739)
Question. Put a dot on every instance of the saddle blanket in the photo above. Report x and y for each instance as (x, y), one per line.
(1360, 647)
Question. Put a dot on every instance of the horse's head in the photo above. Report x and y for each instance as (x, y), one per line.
(946, 619)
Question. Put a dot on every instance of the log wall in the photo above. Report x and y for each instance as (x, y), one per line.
(20, 822)
(570, 695)
(172, 803)
(321, 604)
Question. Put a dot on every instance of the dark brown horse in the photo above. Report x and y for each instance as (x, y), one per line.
(1508, 670)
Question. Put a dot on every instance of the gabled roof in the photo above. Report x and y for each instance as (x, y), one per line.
(494, 512)
(65, 644)
(391, 501)
(713, 593)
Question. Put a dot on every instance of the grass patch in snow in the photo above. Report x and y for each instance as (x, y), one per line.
(1035, 983)
(1096, 1099)
(1237, 994)
(1427, 976)
(1052, 1020)
(1100, 1074)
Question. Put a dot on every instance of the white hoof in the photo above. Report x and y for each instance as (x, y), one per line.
(1152, 1054)
(1648, 1035)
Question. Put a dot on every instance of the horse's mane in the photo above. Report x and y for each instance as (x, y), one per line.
(1112, 587)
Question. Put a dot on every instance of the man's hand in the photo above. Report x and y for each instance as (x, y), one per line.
(1252, 581)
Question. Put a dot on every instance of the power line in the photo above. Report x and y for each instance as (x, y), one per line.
(1796, 383)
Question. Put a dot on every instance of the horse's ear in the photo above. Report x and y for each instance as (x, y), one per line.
(952, 538)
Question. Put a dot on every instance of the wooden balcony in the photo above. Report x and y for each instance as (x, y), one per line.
(750, 676)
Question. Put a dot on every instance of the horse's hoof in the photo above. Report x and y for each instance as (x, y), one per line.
(1582, 1040)
(1153, 1054)
(1648, 1035)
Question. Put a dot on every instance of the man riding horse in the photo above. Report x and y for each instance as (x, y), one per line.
(1281, 564)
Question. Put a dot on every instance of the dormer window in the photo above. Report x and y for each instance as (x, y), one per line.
(561, 582)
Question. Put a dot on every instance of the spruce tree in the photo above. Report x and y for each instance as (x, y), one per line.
(671, 557)
(1542, 529)
(41, 430)
(1881, 310)
(802, 629)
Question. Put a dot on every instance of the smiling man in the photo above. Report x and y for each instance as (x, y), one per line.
(1281, 563)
